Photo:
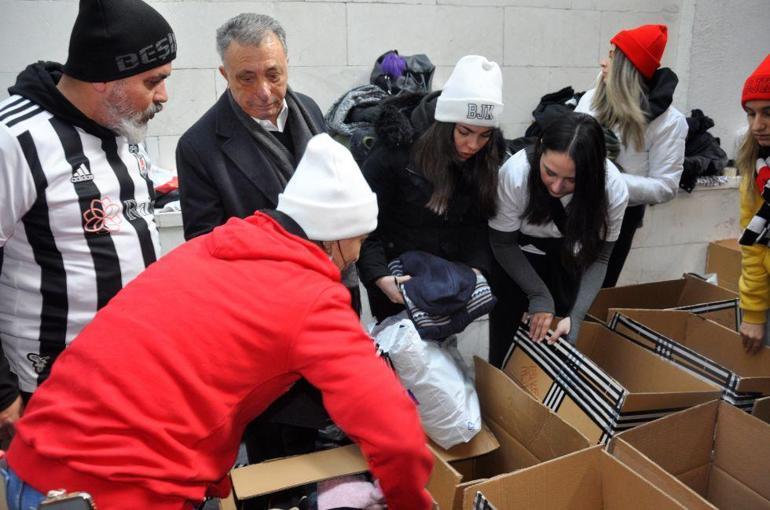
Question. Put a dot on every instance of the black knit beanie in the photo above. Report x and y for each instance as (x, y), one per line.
(114, 39)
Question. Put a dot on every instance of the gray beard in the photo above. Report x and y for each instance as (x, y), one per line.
(127, 122)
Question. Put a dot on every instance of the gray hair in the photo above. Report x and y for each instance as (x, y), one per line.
(249, 29)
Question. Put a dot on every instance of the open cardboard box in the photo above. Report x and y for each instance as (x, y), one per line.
(688, 293)
(710, 456)
(762, 409)
(724, 258)
(604, 384)
(519, 432)
(587, 480)
(701, 346)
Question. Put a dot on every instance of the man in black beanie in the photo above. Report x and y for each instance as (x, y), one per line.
(76, 221)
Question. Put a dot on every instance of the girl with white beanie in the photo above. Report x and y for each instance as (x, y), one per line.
(435, 176)
(632, 99)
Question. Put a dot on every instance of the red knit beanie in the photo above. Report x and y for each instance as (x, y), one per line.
(757, 85)
(643, 46)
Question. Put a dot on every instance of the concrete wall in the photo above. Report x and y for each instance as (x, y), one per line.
(729, 40)
(542, 45)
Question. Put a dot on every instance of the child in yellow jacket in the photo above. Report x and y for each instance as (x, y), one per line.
(752, 162)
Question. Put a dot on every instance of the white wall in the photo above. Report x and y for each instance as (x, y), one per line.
(542, 45)
(729, 40)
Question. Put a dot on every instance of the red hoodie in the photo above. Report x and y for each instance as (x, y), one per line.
(146, 408)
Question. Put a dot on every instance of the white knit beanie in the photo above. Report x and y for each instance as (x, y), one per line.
(473, 94)
(327, 195)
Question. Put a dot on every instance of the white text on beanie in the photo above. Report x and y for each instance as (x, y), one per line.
(473, 94)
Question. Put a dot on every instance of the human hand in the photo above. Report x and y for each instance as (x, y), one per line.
(563, 328)
(753, 335)
(8, 418)
(538, 325)
(389, 285)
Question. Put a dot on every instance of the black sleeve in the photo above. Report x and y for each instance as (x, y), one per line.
(202, 208)
(373, 262)
(590, 283)
(9, 384)
(505, 247)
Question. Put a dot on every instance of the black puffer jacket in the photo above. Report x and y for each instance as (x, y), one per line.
(404, 221)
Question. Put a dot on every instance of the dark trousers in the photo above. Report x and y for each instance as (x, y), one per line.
(632, 220)
(512, 302)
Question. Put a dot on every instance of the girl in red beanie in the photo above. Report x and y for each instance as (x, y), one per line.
(632, 100)
(753, 162)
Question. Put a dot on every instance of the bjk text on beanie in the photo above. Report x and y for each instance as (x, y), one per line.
(757, 86)
(473, 94)
(115, 39)
(643, 46)
(327, 195)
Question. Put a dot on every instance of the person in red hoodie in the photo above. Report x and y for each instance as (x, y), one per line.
(147, 407)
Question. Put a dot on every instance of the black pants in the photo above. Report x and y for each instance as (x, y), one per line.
(632, 220)
(512, 302)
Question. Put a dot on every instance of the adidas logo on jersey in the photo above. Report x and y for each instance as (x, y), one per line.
(82, 174)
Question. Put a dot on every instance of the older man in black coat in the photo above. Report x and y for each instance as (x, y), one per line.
(237, 159)
(239, 156)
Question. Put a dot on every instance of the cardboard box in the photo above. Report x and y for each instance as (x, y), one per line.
(589, 479)
(701, 346)
(710, 456)
(527, 431)
(605, 384)
(724, 258)
(688, 293)
(762, 409)
(518, 432)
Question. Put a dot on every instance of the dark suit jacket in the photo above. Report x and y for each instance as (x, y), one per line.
(223, 172)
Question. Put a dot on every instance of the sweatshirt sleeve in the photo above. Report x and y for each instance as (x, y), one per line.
(364, 397)
(506, 248)
(17, 186)
(754, 284)
(589, 286)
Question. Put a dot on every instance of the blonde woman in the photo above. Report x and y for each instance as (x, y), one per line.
(754, 165)
(633, 97)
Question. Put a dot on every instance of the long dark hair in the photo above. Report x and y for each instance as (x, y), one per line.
(580, 136)
(435, 155)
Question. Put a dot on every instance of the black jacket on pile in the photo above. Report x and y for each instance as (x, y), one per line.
(703, 155)
(404, 222)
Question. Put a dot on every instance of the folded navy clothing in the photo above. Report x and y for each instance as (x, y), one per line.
(438, 286)
(440, 326)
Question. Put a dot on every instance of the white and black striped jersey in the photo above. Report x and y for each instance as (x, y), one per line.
(76, 225)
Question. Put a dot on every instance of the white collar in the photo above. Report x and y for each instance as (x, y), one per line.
(280, 121)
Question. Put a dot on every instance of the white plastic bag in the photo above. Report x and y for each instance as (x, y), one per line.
(446, 399)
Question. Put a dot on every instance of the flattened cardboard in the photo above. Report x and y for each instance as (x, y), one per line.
(605, 384)
(709, 350)
(724, 258)
(688, 293)
(589, 479)
(518, 432)
(710, 456)
(762, 409)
